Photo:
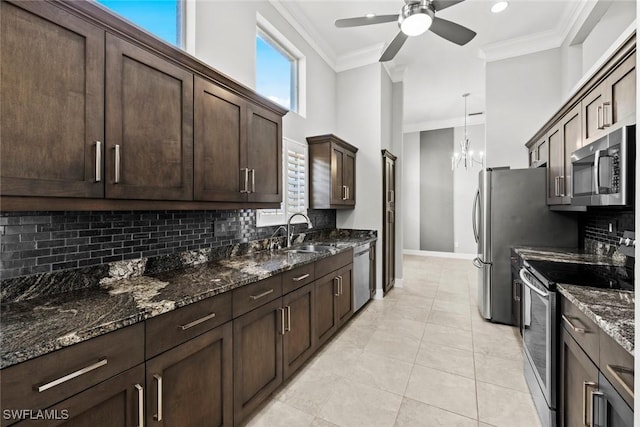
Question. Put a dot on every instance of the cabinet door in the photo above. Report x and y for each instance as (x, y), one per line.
(593, 114)
(349, 177)
(264, 155)
(149, 113)
(191, 385)
(344, 302)
(220, 134)
(52, 112)
(555, 168)
(338, 190)
(112, 403)
(325, 306)
(621, 86)
(257, 357)
(298, 341)
(572, 140)
(578, 378)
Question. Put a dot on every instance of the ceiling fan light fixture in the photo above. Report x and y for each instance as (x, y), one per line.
(416, 18)
(499, 6)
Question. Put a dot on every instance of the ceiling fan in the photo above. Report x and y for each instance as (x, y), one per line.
(416, 17)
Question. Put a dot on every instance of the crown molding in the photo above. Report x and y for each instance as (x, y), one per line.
(572, 17)
(292, 14)
(395, 72)
(358, 58)
(443, 124)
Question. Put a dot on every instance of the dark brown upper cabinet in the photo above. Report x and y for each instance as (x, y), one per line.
(52, 112)
(563, 139)
(611, 103)
(238, 148)
(99, 115)
(332, 166)
(149, 150)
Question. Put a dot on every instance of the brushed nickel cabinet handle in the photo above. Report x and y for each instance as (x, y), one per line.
(585, 387)
(336, 287)
(140, 405)
(197, 322)
(605, 122)
(344, 192)
(158, 415)
(563, 185)
(616, 370)
(572, 326)
(282, 325)
(253, 180)
(71, 376)
(246, 180)
(348, 192)
(264, 294)
(98, 161)
(116, 149)
(339, 285)
(288, 328)
(600, 118)
(304, 276)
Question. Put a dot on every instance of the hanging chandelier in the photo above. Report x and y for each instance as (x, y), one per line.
(466, 157)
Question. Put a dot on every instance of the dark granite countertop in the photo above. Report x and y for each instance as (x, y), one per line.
(570, 255)
(33, 327)
(612, 310)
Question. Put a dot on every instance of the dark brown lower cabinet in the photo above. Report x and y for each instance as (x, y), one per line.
(112, 403)
(257, 357)
(579, 378)
(333, 301)
(298, 342)
(192, 384)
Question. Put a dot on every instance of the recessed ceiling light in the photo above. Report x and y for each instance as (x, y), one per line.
(370, 15)
(499, 6)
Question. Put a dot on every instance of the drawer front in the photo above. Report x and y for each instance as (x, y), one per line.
(256, 294)
(170, 329)
(327, 265)
(46, 380)
(294, 279)
(582, 329)
(617, 365)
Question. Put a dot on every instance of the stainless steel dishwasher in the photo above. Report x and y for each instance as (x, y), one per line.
(361, 276)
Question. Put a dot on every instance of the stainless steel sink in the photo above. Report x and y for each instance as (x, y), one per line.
(308, 249)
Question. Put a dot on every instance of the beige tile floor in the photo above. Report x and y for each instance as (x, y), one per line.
(422, 356)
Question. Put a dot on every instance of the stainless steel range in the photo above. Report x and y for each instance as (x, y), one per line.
(540, 325)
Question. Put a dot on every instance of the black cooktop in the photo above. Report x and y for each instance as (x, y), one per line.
(593, 275)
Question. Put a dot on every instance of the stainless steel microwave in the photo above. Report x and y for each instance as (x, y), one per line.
(603, 172)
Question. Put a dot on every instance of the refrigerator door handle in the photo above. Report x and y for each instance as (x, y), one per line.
(474, 215)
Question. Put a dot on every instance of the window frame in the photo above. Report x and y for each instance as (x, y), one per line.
(297, 90)
(266, 217)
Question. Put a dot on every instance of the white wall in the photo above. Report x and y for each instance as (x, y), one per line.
(465, 184)
(225, 39)
(411, 190)
(397, 111)
(358, 120)
(619, 16)
(522, 94)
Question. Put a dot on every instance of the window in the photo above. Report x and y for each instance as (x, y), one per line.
(162, 18)
(279, 68)
(295, 184)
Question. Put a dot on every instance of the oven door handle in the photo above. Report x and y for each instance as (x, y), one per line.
(531, 286)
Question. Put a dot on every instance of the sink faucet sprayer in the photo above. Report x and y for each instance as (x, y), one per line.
(290, 232)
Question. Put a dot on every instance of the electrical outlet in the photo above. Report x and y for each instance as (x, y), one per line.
(612, 228)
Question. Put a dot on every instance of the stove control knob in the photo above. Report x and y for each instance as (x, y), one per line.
(627, 241)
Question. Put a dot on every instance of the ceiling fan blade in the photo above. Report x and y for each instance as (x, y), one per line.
(443, 4)
(393, 48)
(451, 31)
(363, 20)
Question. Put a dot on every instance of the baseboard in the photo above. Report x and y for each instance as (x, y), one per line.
(379, 294)
(438, 254)
(399, 283)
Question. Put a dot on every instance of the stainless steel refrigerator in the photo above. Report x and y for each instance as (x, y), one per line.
(510, 209)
